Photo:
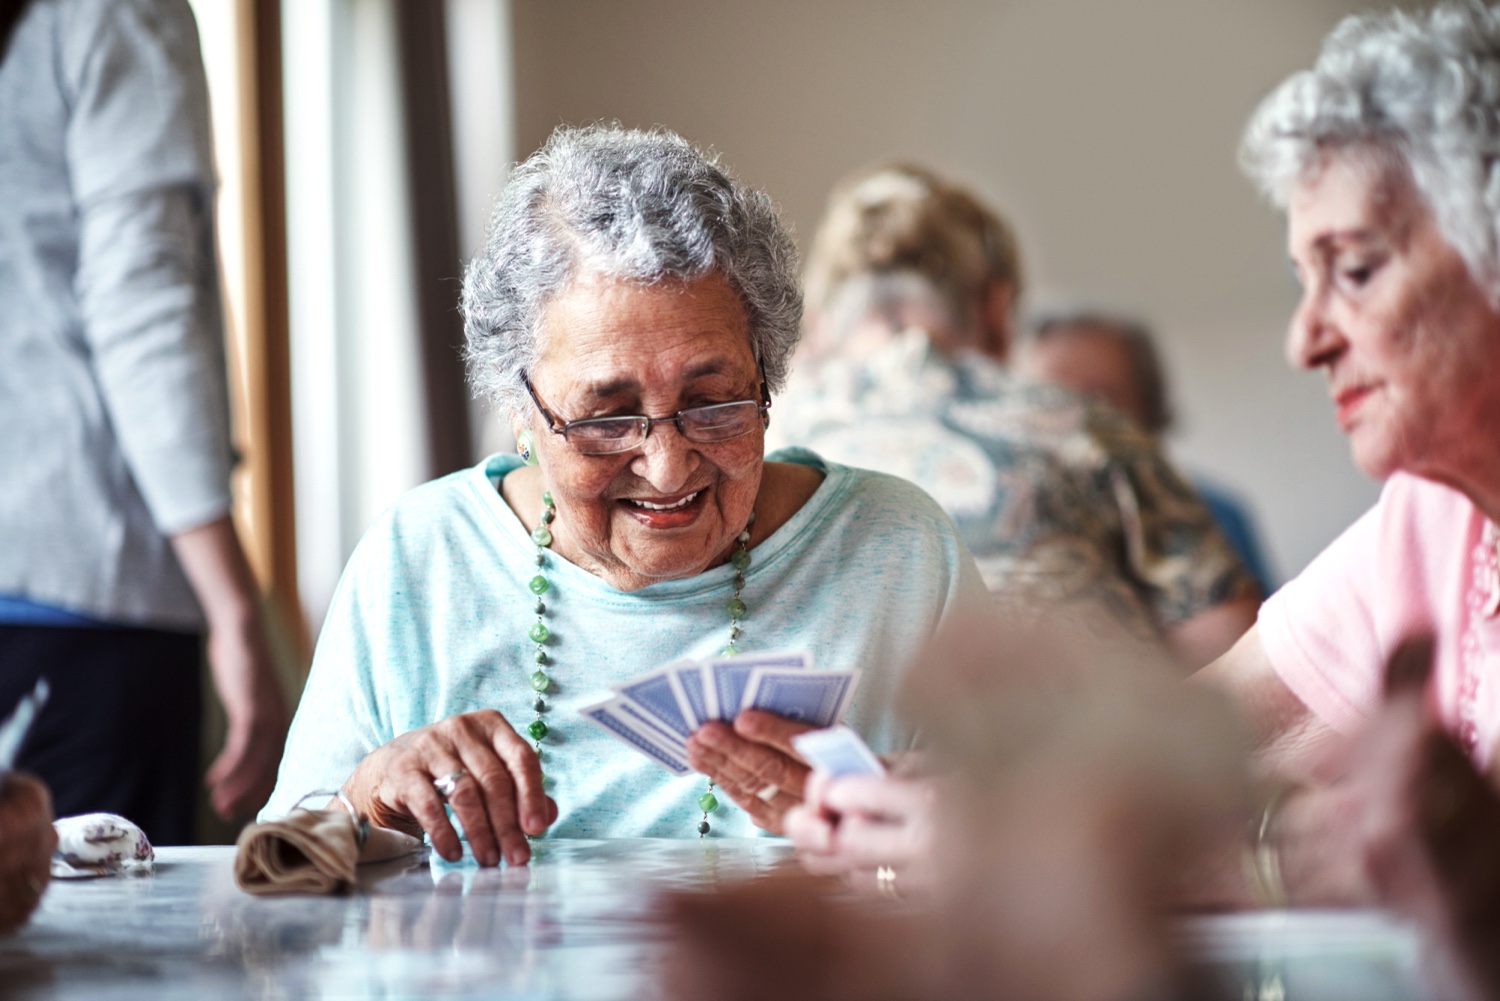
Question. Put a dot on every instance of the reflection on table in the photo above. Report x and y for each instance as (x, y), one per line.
(572, 925)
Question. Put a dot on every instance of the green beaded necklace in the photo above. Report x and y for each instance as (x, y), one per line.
(542, 683)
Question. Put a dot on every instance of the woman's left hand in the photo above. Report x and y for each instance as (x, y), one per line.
(754, 762)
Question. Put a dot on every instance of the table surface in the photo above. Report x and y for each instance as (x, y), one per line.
(568, 926)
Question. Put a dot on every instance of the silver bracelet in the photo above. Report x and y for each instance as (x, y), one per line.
(360, 821)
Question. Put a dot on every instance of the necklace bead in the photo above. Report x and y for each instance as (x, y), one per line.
(541, 682)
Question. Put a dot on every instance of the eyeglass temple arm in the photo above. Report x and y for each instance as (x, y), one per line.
(552, 423)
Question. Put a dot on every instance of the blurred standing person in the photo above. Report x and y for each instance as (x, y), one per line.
(1114, 359)
(912, 284)
(118, 551)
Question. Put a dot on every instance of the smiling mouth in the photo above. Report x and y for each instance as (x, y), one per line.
(675, 505)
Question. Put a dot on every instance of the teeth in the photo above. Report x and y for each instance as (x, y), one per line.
(667, 507)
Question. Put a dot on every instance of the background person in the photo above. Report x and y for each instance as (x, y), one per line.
(1381, 156)
(912, 287)
(118, 550)
(1114, 359)
(625, 275)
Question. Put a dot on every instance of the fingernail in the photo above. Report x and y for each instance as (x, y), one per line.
(516, 856)
(535, 822)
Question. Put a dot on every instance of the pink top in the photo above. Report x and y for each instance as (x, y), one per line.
(1422, 559)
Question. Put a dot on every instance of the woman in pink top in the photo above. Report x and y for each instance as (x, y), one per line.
(1384, 156)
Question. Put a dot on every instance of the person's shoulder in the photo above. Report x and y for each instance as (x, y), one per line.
(430, 509)
(1044, 417)
(89, 23)
(1412, 504)
(878, 500)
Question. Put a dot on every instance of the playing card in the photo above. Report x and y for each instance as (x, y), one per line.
(728, 677)
(687, 679)
(656, 694)
(816, 697)
(625, 722)
(838, 751)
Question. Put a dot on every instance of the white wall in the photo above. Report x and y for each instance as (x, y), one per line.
(1106, 129)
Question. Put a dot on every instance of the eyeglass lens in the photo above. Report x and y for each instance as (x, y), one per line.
(718, 422)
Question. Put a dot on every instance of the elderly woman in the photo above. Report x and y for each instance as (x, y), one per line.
(1383, 155)
(632, 313)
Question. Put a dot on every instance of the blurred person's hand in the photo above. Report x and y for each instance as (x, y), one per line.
(1383, 818)
(27, 841)
(241, 777)
(787, 938)
(1072, 782)
(875, 831)
(243, 773)
(1427, 826)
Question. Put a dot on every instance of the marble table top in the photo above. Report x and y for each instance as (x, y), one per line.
(568, 926)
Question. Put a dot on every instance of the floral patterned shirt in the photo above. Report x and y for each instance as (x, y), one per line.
(1060, 500)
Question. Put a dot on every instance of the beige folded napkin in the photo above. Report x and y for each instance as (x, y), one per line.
(311, 851)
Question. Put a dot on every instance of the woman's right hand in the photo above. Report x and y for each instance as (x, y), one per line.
(497, 794)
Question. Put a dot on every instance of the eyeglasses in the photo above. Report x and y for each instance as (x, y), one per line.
(609, 435)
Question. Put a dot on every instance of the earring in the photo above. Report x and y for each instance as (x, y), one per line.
(526, 447)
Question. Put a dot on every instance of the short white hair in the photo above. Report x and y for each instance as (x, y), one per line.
(1419, 89)
(641, 206)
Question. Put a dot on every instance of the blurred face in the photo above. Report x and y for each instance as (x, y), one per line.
(1086, 360)
(670, 507)
(1389, 312)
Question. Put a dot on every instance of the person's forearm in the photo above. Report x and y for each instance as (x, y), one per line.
(1210, 633)
(220, 574)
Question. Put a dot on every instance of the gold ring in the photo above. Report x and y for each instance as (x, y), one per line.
(885, 882)
(448, 784)
(768, 793)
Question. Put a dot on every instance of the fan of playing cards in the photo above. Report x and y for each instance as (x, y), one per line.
(657, 712)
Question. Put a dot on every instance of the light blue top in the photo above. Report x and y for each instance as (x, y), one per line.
(430, 620)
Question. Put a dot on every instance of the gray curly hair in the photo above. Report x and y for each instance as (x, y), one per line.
(642, 206)
(1420, 89)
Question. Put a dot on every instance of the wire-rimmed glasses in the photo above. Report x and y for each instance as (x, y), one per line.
(705, 425)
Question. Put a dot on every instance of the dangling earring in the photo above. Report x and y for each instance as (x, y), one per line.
(526, 447)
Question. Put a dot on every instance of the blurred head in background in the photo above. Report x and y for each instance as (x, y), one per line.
(1111, 358)
(901, 219)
